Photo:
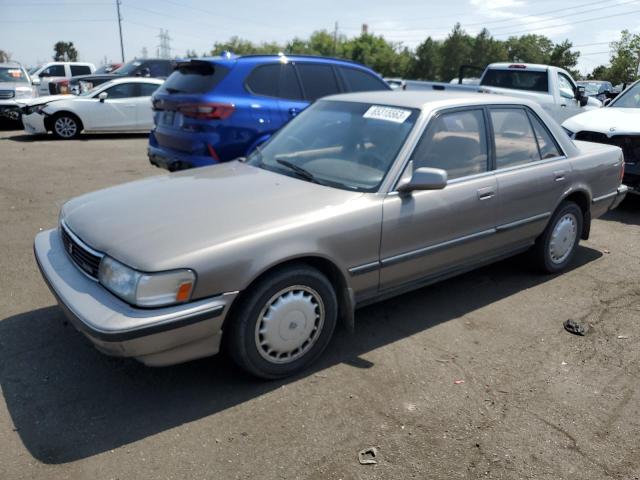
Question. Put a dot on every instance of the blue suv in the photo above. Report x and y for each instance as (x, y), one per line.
(213, 110)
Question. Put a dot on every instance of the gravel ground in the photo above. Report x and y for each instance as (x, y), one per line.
(536, 402)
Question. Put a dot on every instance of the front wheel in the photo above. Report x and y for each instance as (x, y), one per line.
(66, 126)
(283, 323)
(557, 245)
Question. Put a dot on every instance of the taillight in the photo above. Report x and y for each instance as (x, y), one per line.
(213, 153)
(207, 111)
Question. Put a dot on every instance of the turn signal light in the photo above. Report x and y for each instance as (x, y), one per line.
(184, 292)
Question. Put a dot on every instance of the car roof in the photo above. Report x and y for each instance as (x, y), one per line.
(270, 58)
(118, 80)
(428, 100)
(534, 67)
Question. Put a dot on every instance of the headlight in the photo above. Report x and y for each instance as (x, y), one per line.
(146, 289)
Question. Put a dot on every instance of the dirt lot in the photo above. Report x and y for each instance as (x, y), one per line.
(536, 402)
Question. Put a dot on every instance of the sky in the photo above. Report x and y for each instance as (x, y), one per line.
(29, 28)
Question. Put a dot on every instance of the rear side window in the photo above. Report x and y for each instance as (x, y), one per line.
(359, 81)
(147, 89)
(80, 70)
(276, 80)
(317, 80)
(195, 77)
(547, 145)
(455, 142)
(515, 141)
(517, 79)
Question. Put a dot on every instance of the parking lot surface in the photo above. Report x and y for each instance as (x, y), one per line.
(471, 378)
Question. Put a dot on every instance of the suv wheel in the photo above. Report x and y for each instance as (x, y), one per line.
(556, 247)
(284, 323)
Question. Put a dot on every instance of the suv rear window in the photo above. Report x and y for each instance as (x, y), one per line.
(195, 77)
(517, 79)
(359, 81)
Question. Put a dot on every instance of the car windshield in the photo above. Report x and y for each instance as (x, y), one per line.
(340, 144)
(591, 88)
(628, 99)
(128, 68)
(13, 74)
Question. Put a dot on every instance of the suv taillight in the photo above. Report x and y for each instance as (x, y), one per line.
(207, 111)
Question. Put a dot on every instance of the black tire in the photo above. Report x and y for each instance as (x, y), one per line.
(66, 126)
(572, 216)
(241, 336)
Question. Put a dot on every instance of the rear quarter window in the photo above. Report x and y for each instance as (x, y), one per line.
(517, 79)
(195, 77)
(359, 81)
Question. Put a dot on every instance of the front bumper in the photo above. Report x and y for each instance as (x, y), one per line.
(10, 109)
(34, 124)
(156, 337)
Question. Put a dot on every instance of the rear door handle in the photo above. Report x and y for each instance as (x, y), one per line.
(486, 193)
(559, 175)
(294, 111)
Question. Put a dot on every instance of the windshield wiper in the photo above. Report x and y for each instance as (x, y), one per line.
(302, 172)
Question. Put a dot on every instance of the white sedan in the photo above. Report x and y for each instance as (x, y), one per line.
(122, 105)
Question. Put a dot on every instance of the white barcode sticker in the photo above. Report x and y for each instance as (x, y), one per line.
(390, 114)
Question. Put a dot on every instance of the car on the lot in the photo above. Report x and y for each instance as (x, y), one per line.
(552, 87)
(599, 89)
(214, 110)
(15, 85)
(151, 67)
(122, 105)
(361, 197)
(616, 124)
(44, 74)
(108, 68)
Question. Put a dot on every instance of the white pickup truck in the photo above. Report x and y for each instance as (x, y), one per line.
(552, 87)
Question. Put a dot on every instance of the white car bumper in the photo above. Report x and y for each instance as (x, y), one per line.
(34, 124)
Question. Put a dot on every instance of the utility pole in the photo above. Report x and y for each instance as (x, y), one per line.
(118, 2)
(335, 39)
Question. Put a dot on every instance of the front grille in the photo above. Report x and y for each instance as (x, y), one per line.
(85, 259)
(4, 94)
(630, 144)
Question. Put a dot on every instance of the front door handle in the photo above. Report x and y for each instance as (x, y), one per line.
(486, 193)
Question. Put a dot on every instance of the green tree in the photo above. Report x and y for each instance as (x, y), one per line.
(65, 51)
(384, 57)
(4, 56)
(601, 72)
(487, 50)
(562, 56)
(529, 49)
(425, 64)
(625, 58)
(455, 51)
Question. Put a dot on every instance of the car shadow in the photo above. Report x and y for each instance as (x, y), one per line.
(68, 402)
(628, 212)
(84, 137)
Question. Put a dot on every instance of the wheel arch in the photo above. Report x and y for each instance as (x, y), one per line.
(582, 198)
(49, 119)
(344, 293)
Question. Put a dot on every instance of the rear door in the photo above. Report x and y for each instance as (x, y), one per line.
(144, 112)
(318, 80)
(52, 72)
(531, 171)
(429, 233)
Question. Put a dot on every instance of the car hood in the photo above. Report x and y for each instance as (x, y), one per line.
(610, 121)
(42, 100)
(158, 223)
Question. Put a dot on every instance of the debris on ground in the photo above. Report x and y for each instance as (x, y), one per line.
(367, 456)
(458, 382)
(623, 337)
(606, 251)
(574, 327)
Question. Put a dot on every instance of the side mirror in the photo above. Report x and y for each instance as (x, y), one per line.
(103, 96)
(35, 81)
(425, 178)
(581, 96)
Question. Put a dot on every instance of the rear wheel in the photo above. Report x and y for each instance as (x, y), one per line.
(556, 247)
(66, 126)
(284, 323)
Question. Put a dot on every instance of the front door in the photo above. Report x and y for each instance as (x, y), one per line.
(117, 111)
(429, 233)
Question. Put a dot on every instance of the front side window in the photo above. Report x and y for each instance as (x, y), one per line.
(514, 138)
(345, 145)
(455, 142)
(122, 90)
(53, 71)
(567, 89)
(317, 80)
